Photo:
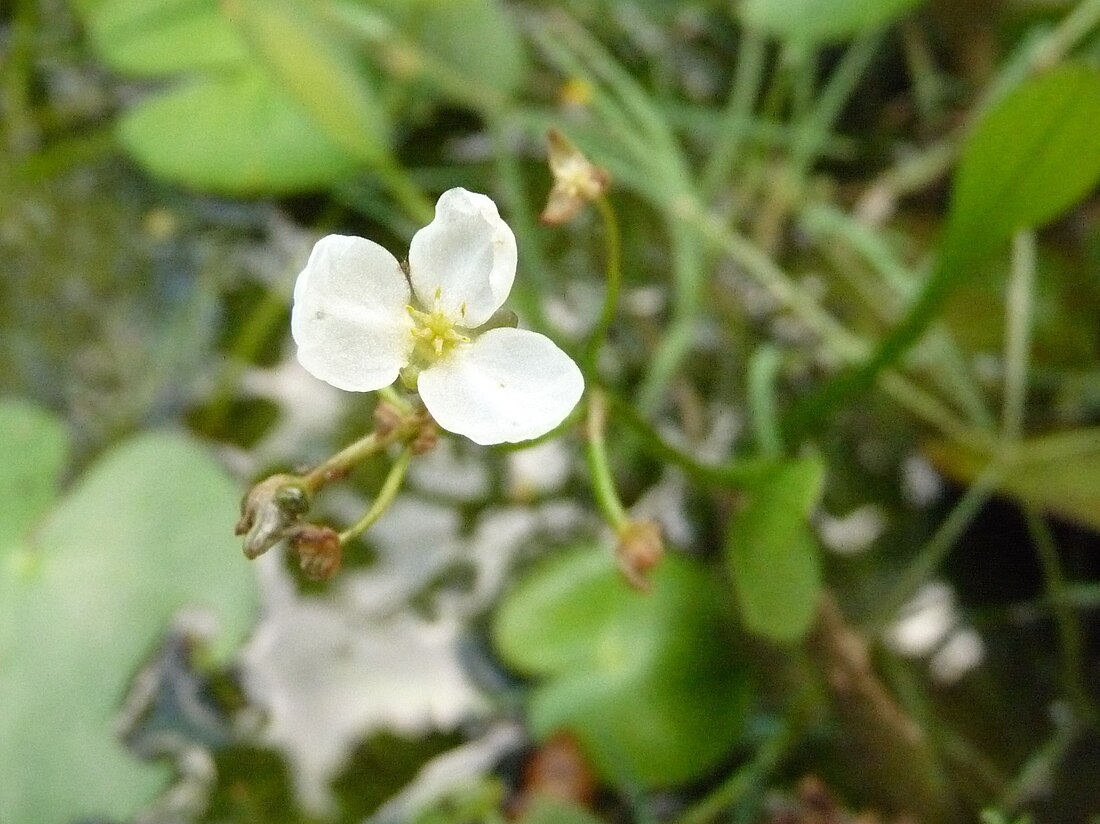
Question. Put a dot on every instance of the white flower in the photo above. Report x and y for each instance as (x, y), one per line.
(358, 325)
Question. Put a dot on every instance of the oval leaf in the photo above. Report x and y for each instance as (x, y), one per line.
(34, 445)
(148, 39)
(317, 70)
(647, 682)
(814, 21)
(248, 138)
(1033, 156)
(772, 554)
(146, 532)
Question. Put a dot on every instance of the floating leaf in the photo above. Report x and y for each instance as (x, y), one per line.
(772, 554)
(33, 443)
(145, 532)
(235, 134)
(318, 70)
(163, 37)
(1057, 474)
(649, 683)
(814, 21)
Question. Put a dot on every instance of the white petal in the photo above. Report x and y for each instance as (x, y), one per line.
(508, 385)
(349, 318)
(464, 261)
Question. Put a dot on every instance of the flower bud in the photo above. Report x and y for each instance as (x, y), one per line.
(638, 550)
(319, 551)
(576, 180)
(268, 512)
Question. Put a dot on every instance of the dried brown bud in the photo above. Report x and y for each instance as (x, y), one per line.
(319, 551)
(576, 180)
(387, 418)
(638, 550)
(269, 510)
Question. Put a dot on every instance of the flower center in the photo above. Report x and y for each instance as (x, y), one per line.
(434, 333)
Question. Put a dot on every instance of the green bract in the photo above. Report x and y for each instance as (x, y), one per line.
(650, 683)
(86, 589)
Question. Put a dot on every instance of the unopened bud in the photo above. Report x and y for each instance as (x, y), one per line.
(269, 510)
(318, 549)
(638, 550)
(576, 180)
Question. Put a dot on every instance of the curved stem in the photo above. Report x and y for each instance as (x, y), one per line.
(386, 494)
(603, 485)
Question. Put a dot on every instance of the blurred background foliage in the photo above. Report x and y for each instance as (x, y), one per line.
(854, 374)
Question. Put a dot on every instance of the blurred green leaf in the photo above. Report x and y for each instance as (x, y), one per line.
(1057, 474)
(319, 71)
(1029, 159)
(146, 531)
(163, 37)
(545, 809)
(649, 683)
(446, 30)
(773, 556)
(34, 445)
(235, 134)
(814, 21)
(1034, 155)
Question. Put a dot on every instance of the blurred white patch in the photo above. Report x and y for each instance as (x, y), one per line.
(645, 301)
(930, 625)
(963, 651)
(447, 471)
(666, 503)
(449, 772)
(920, 482)
(924, 621)
(853, 533)
(332, 669)
(537, 470)
(327, 676)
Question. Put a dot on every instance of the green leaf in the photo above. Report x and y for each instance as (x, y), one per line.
(772, 554)
(319, 71)
(545, 809)
(162, 37)
(34, 444)
(446, 28)
(235, 134)
(815, 21)
(649, 683)
(1057, 474)
(145, 532)
(1033, 156)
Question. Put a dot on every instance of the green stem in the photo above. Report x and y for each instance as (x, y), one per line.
(933, 553)
(763, 370)
(613, 241)
(732, 474)
(390, 487)
(603, 485)
(340, 464)
(842, 82)
(736, 120)
(1018, 319)
(1069, 632)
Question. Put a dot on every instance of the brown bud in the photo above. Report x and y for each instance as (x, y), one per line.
(319, 551)
(576, 180)
(638, 550)
(269, 510)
